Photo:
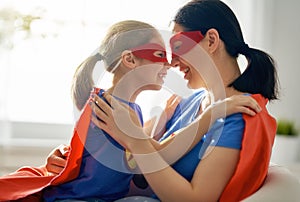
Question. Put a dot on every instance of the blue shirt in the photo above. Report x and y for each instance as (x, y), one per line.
(226, 132)
(103, 173)
(185, 113)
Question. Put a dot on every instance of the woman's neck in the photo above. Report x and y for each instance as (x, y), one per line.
(212, 97)
(229, 71)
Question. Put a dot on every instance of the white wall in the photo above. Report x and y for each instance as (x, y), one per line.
(273, 26)
(284, 46)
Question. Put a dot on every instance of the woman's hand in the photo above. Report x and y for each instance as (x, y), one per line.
(156, 126)
(117, 119)
(56, 160)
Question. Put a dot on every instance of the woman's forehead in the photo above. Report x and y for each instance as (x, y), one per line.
(177, 28)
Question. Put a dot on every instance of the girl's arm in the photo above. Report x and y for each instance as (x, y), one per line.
(183, 140)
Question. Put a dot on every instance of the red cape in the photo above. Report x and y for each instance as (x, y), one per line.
(255, 155)
(29, 181)
(249, 176)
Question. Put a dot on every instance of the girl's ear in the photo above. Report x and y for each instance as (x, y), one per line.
(213, 40)
(128, 59)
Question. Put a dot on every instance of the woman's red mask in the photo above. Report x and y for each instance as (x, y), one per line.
(183, 42)
(151, 51)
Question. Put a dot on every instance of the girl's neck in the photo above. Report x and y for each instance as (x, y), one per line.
(123, 87)
(123, 92)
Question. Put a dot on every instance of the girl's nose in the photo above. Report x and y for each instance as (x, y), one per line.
(167, 65)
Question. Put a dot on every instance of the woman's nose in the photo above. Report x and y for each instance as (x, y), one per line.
(175, 62)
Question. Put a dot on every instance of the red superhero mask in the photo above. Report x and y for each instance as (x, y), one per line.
(183, 42)
(151, 51)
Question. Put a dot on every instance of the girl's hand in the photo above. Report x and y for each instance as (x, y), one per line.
(56, 160)
(235, 104)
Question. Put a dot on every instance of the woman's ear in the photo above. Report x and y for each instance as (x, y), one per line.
(128, 59)
(213, 40)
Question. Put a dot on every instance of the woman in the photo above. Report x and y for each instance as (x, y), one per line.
(90, 171)
(221, 165)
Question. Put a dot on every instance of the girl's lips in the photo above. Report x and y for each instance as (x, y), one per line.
(162, 75)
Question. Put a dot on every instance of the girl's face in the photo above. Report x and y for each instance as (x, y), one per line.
(152, 68)
(191, 74)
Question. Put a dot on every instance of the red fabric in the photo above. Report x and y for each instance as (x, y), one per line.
(251, 170)
(255, 155)
(149, 52)
(28, 181)
(183, 42)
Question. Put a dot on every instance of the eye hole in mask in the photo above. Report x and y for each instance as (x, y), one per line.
(183, 42)
(151, 51)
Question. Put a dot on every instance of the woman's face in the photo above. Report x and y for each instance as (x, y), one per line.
(151, 74)
(193, 77)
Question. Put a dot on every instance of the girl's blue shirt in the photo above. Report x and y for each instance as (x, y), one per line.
(103, 173)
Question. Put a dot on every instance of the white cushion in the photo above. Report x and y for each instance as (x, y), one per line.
(137, 199)
(280, 185)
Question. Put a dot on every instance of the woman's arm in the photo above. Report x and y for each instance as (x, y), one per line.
(209, 179)
(211, 175)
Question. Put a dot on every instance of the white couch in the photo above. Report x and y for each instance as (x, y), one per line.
(280, 186)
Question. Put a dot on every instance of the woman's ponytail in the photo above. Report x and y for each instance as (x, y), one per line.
(260, 75)
(83, 83)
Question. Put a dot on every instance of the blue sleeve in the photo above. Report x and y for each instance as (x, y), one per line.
(233, 132)
(185, 113)
(227, 133)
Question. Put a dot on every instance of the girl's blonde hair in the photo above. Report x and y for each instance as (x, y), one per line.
(121, 36)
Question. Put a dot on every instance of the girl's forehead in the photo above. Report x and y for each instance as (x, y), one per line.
(158, 40)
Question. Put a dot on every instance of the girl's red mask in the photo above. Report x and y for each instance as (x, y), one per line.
(183, 42)
(151, 51)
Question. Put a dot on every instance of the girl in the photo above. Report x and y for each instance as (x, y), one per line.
(104, 172)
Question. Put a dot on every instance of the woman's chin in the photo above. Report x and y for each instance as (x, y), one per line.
(191, 86)
(154, 87)
(195, 85)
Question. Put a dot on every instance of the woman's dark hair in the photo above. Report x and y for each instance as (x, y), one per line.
(260, 75)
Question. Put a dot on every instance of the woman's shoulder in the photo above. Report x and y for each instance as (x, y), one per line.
(198, 94)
